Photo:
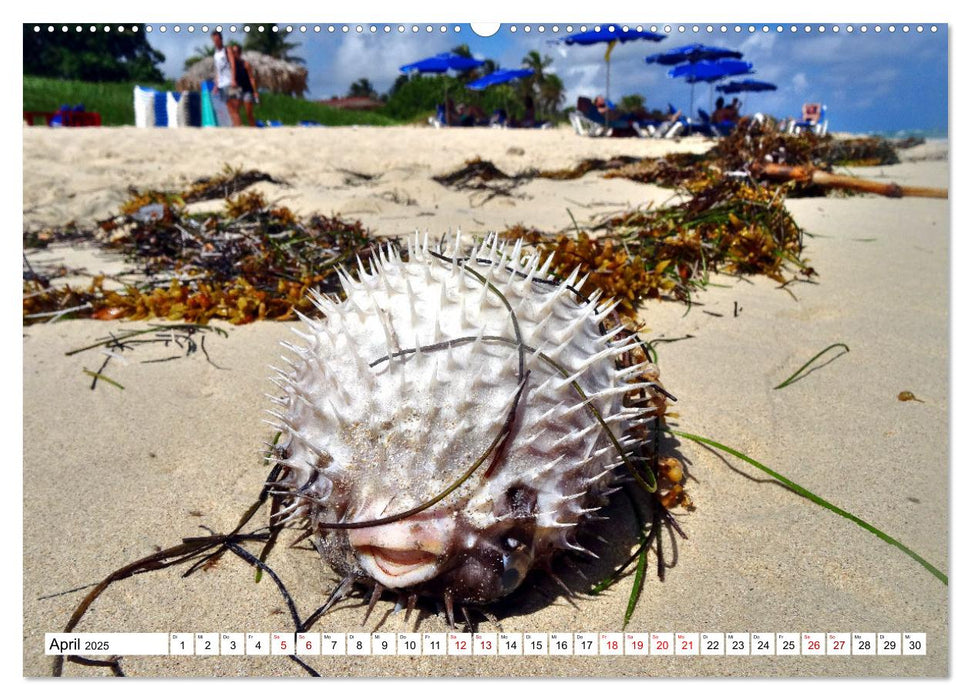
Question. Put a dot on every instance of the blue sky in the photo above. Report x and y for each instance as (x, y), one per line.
(870, 81)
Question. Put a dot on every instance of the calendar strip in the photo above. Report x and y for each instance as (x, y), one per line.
(525, 644)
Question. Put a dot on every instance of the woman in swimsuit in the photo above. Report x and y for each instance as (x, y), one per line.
(246, 82)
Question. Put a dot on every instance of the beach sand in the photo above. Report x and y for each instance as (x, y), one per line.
(110, 476)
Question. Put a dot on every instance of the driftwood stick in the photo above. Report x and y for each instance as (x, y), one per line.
(806, 173)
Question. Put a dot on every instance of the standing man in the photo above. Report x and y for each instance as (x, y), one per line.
(225, 83)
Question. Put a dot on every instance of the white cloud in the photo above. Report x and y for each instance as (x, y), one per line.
(177, 48)
(375, 57)
(758, 44)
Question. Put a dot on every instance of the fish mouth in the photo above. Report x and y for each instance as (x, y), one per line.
(397, 568)
(404, 553)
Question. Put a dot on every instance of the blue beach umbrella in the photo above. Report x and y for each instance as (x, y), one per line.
(737, 86)
(708, 72)
(692, 53)
(610, 34)
(442, 63)
(498, 78)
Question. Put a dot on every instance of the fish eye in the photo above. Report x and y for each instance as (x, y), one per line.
(516, 561)
(510, 579)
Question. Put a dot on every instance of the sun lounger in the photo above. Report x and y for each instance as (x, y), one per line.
(438, 120)
(584, 126)
(710, 128)
(813, 119)
(666, 128)
(588, 121)
(669, 129)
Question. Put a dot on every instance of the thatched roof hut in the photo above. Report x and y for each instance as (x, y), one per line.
(271, 73)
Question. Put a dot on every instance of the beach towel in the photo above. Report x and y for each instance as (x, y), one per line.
(192, 106)
(173, 101)
(160, 106)
(144, 107)
(208, 112)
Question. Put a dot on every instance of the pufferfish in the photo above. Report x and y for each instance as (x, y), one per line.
(448, 426)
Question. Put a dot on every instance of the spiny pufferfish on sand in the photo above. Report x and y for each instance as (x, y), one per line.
(450, 425)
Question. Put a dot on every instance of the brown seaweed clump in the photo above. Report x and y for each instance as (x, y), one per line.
(752, 144)
(731, 226)
(250, 261)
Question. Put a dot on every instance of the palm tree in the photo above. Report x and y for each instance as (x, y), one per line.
(362, 87)
(546, 88)
(489, 66)
(201, 53)
(536, 63)
(551, 93)
(271, 43)
(631, 103)
(464, 51)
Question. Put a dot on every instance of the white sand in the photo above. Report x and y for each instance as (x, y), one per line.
(110, 475)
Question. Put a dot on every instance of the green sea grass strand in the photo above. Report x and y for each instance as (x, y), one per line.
(635, 592)
(818, 501)
(796, 374)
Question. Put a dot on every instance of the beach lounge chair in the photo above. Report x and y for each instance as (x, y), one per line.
(703, 125)
(499, 119)
(584, 126)
(588, 121)
(711, 128)
(813, 119)
(667, 128)
(438, 120)
(672, 129)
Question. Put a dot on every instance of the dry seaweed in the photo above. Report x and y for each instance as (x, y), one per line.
(731, 226)
(474, 174)
(478, 174)
(585, 166)
(673, 170)
(751, 143)
(228, 183)
(68, 233)
(253, 260)
(184, 339)
(757, 142)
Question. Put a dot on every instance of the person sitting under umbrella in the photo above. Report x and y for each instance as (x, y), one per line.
(604, 106)
(723, 114)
